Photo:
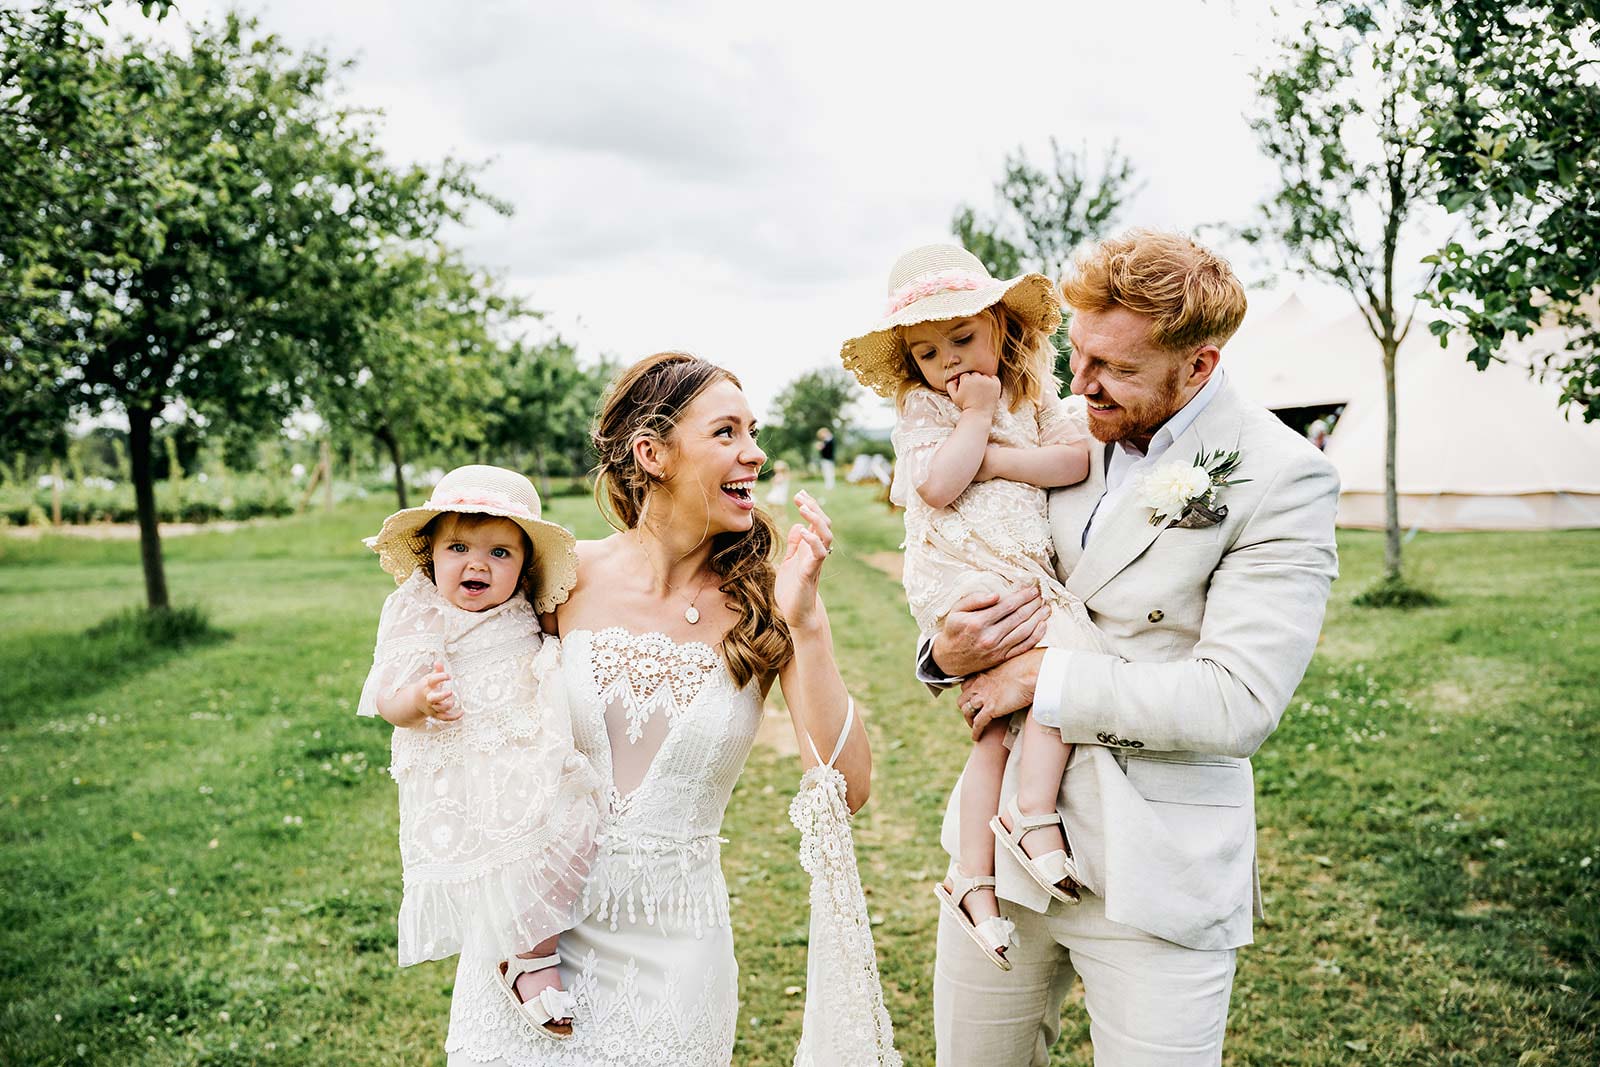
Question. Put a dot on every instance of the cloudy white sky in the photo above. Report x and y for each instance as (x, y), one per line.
(735, 179)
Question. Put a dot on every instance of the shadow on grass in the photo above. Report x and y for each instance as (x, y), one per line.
(1395, 592)
(59, 666)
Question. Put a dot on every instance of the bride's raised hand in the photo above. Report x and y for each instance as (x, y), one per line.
(808, 545)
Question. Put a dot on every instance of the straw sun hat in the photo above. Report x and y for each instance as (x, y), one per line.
(480, 490)
(934, 283)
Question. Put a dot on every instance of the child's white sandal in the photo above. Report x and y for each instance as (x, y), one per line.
(1054, 871)
(546, 1010)
(994, 934)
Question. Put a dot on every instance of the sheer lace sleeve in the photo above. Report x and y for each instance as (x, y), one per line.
(926, 421)
(1063, 421)
(410, 639)
(845, 1022)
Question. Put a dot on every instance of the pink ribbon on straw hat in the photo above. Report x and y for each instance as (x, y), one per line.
(488, 500)
(950, 281)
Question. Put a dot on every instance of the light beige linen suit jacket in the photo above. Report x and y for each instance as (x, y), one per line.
(1210, 632)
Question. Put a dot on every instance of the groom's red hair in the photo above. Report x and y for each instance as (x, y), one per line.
(1189, 291)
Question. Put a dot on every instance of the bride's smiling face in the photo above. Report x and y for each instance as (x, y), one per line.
(708, 465)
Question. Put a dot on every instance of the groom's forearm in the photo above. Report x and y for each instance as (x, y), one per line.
(1182, 706)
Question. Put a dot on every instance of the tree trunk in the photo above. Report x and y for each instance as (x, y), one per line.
(1391, 494)
(544, 474)
(144, 496)
(389, 442)
(327, 475)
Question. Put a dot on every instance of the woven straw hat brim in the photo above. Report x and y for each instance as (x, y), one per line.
(875, 358)
(402, 549)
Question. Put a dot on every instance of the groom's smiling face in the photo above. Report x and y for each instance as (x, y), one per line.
(1131, 386)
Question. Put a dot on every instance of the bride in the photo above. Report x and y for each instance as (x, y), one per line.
(674, 632)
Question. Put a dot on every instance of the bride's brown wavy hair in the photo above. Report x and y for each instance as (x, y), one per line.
(645, 403)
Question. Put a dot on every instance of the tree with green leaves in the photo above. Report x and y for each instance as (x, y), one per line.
(548, 403)
(1341, 119)
(811, 401)
(422, 373)
(1044, 213)
(1513, 133)
(192, 230)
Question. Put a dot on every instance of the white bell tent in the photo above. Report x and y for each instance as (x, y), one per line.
(1485, 450)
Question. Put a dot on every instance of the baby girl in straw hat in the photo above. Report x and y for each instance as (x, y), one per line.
(498, 810)
(981, 435)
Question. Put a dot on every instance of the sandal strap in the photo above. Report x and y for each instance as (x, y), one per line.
(961, 885)
(1021, 824)
(516, 966)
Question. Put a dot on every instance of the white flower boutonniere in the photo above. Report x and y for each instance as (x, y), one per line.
(1186, 493)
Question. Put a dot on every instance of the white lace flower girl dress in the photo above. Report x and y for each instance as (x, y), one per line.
(997, 532)
(498, 810)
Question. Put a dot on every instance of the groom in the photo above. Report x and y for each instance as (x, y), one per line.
(1210, 597)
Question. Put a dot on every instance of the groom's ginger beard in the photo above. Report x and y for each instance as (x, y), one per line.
(1138, 422)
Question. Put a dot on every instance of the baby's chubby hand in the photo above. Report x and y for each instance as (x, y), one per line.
(974, 390)
(435, 698)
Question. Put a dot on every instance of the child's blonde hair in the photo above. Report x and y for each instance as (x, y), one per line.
(1027, 359)
(439, 529)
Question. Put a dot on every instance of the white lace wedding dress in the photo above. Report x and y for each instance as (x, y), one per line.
(652, 964)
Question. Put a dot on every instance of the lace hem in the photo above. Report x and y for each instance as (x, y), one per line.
(627, 1026)
(507, 901)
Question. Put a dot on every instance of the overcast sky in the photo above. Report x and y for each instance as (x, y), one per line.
(736, 179)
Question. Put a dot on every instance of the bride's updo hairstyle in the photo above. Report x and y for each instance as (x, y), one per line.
(645, 403)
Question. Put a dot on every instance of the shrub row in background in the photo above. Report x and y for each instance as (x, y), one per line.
(228, 496)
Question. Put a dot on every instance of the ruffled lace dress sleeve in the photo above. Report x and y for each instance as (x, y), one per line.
(411, 636)
(845, 1023)
(926, 421)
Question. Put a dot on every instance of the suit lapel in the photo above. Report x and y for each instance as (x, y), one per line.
(1124, 534)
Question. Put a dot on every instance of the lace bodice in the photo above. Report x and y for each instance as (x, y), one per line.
(669, 733)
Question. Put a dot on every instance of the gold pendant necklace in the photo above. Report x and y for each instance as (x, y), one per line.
(691, 614)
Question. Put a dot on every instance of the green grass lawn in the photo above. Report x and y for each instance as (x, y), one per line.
(199, 847)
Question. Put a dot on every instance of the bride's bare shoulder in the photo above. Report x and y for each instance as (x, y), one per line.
(598, 553)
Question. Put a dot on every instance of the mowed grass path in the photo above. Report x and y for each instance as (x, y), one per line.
(200, 863)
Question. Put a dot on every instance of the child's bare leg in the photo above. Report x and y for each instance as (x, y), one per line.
(980, 799)
(1040, 767)
(531, 983)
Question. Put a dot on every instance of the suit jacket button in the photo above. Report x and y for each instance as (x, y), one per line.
(1157, 615)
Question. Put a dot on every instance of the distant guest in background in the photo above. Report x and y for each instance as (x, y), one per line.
(778, 492)
(825, 453)
(1317, 434)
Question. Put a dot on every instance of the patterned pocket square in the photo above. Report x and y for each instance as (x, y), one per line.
(1197, 516)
